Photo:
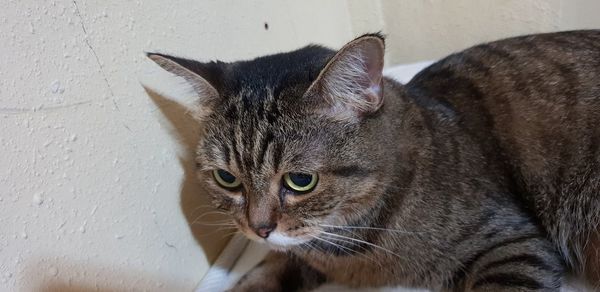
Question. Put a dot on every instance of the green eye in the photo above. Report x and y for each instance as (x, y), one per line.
(300, 182)
(226, 179)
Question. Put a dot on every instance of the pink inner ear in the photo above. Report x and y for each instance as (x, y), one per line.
(374, 62)
(375, 88)
(372, 53)
(351, 84)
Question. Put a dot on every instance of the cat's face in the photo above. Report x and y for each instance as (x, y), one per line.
(277, 179)
(294, 173)
(278, 146)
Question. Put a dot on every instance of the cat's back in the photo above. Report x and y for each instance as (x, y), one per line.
(536, 97)
(533, 102)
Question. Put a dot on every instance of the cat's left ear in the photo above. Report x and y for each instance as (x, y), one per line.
(205, 78)
(352, 81)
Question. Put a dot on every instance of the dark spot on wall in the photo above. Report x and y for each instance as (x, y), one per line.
(266, 26)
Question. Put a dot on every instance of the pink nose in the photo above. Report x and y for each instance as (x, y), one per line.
(264, 230)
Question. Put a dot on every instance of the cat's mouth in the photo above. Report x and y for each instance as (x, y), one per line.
(280, 241)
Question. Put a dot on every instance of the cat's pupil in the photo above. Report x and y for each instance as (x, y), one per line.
(226, 176)
(300, 179)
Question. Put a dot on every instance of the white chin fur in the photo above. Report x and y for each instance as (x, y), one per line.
(280, 240)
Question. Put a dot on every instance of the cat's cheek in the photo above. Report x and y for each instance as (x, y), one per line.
(227, 199)
(320, 194)
(292, 200)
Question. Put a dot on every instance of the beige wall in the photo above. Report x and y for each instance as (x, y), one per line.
(96, 187)
(429, 29)
(96, 180)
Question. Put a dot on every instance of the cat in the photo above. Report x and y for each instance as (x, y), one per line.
(480, 174)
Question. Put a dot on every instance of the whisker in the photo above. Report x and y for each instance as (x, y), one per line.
(218, 221)
(365, 242)
(214, 219)
(315, 247)
(353, 243)
(209, 207)
(212, 232)
(363, 254)
(198, 219)
(211, 213)
(213, 224)
(307, 245)
(372, 228)
(334, 244)
(226, 227)
(434, 250)
(230, 233)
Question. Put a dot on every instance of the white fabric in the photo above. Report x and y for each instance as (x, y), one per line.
(403, 73)
(220, 275)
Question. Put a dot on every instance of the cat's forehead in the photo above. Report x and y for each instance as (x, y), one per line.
(259, 118)
(263, 93)
(260, 136)
(275, 74)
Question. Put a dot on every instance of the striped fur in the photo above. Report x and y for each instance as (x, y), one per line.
(481, 174)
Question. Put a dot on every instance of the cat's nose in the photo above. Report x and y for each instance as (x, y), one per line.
(264, 230)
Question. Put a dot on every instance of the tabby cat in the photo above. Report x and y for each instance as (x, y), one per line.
(480, 174)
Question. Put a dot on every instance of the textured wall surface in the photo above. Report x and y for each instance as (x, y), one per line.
(96, 184)
(96, 177)
(423, 30)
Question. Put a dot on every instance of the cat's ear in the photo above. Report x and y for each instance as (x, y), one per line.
(205, 79)
(352, 82)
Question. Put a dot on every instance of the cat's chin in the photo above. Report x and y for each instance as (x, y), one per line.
(278, 241)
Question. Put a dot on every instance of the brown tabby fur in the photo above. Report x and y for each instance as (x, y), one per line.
(480, 174)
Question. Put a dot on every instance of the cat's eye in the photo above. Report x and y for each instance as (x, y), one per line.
(300, 182)
(226, 179)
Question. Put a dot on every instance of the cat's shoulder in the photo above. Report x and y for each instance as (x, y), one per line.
(506, 53)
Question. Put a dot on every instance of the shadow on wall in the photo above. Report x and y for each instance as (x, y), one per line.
(45, 277)
(204, 222)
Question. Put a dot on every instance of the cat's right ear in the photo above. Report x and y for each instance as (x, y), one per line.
(351, 84)
(205, 79)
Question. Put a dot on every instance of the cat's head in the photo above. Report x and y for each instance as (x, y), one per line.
(281, 148)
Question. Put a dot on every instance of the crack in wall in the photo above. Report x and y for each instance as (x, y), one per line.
(93, 51)
(18, 110)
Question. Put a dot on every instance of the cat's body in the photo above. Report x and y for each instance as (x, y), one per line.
(533, 104)
(482, 173)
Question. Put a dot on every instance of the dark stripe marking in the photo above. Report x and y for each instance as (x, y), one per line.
(527, 259)
(468, 264)
(226, 152)
(277, 153)
(248, 130)
(509, 279)
(236, 153)
(264, 146)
